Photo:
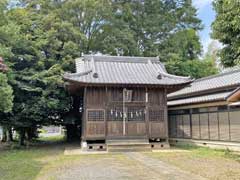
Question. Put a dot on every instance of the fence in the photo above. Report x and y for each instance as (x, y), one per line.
(220, 123)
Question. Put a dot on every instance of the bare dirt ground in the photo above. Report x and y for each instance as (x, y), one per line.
(125, 166)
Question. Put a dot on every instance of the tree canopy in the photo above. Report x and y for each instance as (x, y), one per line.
(226, 28)
(39, 39)
(6, 97)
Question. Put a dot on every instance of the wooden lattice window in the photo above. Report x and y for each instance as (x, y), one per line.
(156, 115)
(117, 94)
(195, 110)
(236, 107)
(115, 114)
(222, 108)
(139, 95)
(127, 95)
(95, 115)
(181, 111)
(136, 114)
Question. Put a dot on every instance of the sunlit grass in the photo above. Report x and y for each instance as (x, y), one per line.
(25, 163)
(209, 152)
(56, 138)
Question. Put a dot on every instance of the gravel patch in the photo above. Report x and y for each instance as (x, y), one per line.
(125, 166)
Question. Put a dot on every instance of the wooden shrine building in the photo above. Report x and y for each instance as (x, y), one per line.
(207, 112)
(123, 97)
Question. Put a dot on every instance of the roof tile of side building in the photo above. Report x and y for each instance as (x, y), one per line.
(200, 99)
(215, 82)
(123, 70)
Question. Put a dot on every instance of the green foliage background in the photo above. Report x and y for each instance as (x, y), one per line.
(226, 28)
(39, 40)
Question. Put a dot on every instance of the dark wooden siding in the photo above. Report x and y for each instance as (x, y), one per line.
(186, 126)
(235, 125)
(210, 123)
(158, 125)
(195, 126)
(213, 126)
(223, 126)
(204, 126)
(146, 113)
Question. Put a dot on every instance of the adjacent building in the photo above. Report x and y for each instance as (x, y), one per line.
(207, 111)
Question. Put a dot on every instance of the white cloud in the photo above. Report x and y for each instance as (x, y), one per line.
(207, 41)
(205, 44)
(200, 4)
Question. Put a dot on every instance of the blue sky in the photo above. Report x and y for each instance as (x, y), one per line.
(207, 15)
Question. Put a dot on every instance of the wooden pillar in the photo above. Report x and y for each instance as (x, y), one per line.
(106, 111)
(166, 113)
(147, 112)
(84, 116)
(190, 116)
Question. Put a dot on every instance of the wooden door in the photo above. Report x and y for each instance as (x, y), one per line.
(157, 126)
(95, 126)
(126, 113)
(136, 121)
(115, 122)
(134, 124)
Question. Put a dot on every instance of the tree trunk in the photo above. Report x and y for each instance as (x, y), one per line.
(73, 133)
(10, 131)
(9, 134)
(4, 136)
(29, 134)
(32, 133)
(21, 137)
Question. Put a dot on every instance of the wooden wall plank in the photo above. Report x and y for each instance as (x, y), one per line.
(180, 129)
(213, 126)
(223, 126)
(172, 126)
(235, 125)
(136, 128)
(115, 129)
(204, 126)
(157, 130)
(96, 129)
(195, 126)
(186, 126)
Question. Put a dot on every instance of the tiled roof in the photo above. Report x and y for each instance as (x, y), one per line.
(200, 99)
(123, 70)
(226, 79)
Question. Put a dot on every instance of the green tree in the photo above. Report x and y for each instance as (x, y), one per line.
(6, 91)
(40, 40)
(185, 45)
(193, 68)
(196, 68)
(6, 104)
(6, 95)
(226, 28)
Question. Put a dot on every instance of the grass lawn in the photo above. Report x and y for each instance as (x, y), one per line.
(208, 163)
(26, 164)
(40, 161)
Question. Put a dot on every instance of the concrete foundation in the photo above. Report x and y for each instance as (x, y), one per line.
(204, 143)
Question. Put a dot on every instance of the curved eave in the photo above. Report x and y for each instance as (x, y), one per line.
(83, 84)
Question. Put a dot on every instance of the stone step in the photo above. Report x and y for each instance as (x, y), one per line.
(127, 141)
(128, 145)
(133, 148)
